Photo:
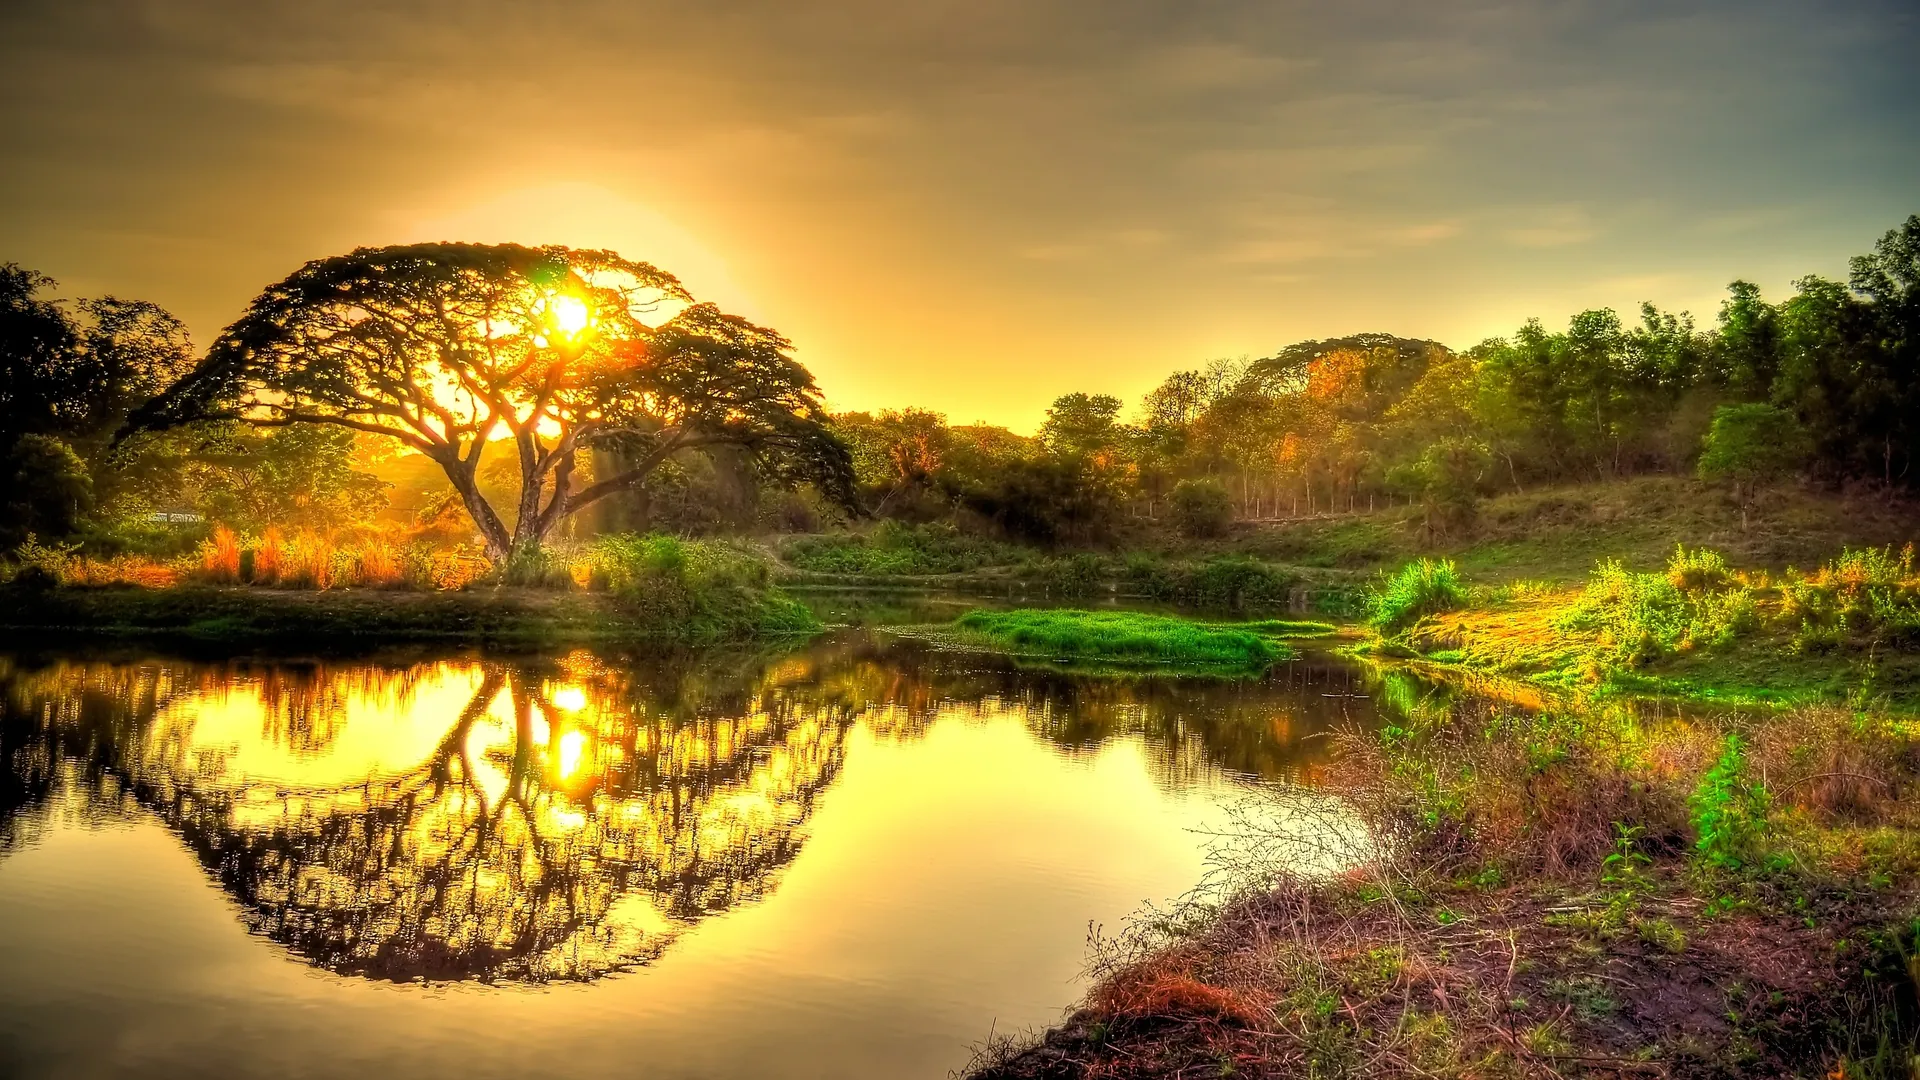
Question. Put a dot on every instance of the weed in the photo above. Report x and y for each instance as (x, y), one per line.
(1121, 636)
(1418, 589)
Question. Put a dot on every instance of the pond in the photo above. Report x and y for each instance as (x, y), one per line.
(851, 859)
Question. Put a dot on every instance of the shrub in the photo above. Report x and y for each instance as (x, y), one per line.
(893, 548)
(1869, 591)
(695, 592)
(1640, 617)
(1200, 508)
(1068, 576)
(1419, 589)
(1225, 581)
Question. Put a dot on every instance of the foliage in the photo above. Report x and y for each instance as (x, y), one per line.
(1729, 810)
(893, 548)
(1870, 591)
(1119, 636)
(697, 592)
(1640, 617)
(1751, 445)
(1200, 508)
(1418, 589)
(548, 344)
(1223, 581)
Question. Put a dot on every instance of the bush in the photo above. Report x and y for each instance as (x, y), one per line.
(1868, 591)
(893, 548)
(1225, 581)
(1641, 617)
(1419, 589)
(1200, 508)
(696, 592)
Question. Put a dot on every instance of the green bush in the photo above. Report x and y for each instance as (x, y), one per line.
(893, 548)
(1225, 581)
(1641, 617)
(1200, 508)
(695, 592)
(1419, 589)
(1869, 591)
(1067, 575)
(1120, 636)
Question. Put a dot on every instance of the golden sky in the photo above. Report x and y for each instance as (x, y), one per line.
(976, 207)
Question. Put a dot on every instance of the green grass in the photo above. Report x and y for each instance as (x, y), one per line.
(1121, 637)
(1421, 588)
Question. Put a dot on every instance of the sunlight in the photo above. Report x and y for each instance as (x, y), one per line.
(573, 747)
(569, 314)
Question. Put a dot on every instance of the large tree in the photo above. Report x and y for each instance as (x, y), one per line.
(452, 348)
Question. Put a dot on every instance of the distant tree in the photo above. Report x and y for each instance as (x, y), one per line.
(1200, 508)
(1751, 445)
(1082, 424)
(1445, 480)
(448, 347)
(68, 379)
(303, 475)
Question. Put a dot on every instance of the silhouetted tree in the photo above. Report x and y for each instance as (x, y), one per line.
(447, 347)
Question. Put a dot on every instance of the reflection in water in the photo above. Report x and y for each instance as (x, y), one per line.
(561, 818)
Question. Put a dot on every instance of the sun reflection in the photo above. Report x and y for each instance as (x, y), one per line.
(573, 747)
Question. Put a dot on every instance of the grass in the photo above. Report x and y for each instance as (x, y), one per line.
(1421, 588)
(1122, 637)
(1599, 890)
(1701, 629)
(621, 588)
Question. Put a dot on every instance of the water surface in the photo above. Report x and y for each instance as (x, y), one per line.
(851, 860)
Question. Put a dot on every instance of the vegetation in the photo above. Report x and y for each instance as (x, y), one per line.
(1821, 384)
(1122, 637)
(1561, 891)
(655, 588)
(441, 346)
(1421, 588)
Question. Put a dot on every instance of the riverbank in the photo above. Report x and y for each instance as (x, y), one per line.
(1602, 892)
(346, 618)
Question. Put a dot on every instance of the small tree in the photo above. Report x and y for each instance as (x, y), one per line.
(1200, 508)
(1751, 445)
(450, 348)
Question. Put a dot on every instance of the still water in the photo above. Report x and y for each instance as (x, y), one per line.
(851, 860)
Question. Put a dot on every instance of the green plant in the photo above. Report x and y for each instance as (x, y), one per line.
(1729, 810)
(695, 591)
(1418, 589)
(1123, 636)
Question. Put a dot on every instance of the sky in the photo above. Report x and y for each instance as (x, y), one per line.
(976, 207)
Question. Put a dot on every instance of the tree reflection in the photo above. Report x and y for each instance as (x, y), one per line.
(562, 818)
(564, 826)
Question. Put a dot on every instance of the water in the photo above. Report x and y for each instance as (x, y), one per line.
(851, 860)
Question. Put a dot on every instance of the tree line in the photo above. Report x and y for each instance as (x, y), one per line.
(1825, 381)
(588, 380)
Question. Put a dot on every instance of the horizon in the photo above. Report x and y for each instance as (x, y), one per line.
(1059, 200)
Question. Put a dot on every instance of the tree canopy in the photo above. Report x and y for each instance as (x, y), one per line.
(452, 348)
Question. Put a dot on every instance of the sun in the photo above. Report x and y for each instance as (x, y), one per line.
(569, 314)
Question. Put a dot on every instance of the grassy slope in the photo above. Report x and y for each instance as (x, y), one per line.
(1553, 535)
(1559, 534)
(1519, 638)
